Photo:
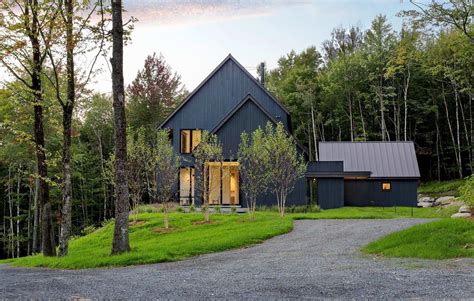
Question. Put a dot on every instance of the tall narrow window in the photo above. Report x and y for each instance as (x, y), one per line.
(189, 139)
(186, 186)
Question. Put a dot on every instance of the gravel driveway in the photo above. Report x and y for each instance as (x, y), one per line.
(319, 259)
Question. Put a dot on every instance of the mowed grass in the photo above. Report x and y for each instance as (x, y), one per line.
(447, 238)
(378, 212)
(188, 239)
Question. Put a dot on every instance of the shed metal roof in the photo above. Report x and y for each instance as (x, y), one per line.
(382, 159)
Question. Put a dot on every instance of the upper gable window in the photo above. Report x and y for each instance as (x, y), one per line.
(189, 139)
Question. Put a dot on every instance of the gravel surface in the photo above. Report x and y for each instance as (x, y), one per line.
(319, 259)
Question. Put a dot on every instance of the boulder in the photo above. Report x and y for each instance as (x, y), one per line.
(464, 209)
(425, 204)
(461, 215)
(425, 199)
(445, 200)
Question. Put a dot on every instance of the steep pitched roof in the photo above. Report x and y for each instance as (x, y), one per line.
(246, 99)
(229, 57)
(382, 159)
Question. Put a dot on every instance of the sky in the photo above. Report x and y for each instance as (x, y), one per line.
(194, 36)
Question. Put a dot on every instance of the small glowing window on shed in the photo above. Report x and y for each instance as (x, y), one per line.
(386, 186)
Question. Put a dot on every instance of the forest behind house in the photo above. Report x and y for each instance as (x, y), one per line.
(361, 84)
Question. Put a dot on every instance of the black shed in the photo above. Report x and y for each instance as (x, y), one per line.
(365, 174)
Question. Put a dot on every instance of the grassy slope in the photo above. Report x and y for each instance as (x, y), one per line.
(188, 239)
(444, 187)
(228, 231)
(447, 238)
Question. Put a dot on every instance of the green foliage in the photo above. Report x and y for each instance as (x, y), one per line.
(436, 187)
(286, 166)
(192, 208)
(466, 191)
(146, 208)
(254, 157)
(448, 238)
(233, 209)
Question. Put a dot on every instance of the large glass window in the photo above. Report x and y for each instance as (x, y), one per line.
(223, 183)
(189, 139)
(186, 186)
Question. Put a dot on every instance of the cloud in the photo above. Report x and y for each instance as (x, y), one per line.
(186, 12)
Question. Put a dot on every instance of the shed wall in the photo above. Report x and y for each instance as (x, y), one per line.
(370, 193)
(330, 192)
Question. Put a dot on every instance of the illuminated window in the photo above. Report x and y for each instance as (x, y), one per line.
(186, 186)
(386, 186)
(189, 139)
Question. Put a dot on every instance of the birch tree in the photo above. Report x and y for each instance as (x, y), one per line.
(208, 150)
(253, 157)
(286, 165)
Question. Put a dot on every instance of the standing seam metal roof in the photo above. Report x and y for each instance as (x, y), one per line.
(382, 159)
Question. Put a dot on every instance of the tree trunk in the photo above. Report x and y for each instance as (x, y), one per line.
(18, 186)
(68, 108)
(458, 130)
(362, 121)
(11, 245)
(351, 122)
(120, 241)
(456, 155)
(405, 105)
(48, 245)
(36, 214)
(315, 137)
(30, 195)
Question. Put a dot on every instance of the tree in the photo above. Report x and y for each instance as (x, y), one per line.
(154, 93)
(451, 13)
(164, 171)
(25, 39)
(404, 59)
(208, 150)
(120, 242)
(138, 156)
(253, 160)
(286, 165)
(379, 41)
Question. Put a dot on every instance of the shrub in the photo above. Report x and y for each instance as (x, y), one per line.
(88, 230)
(192, 208)
(179, 209)
(467, 193)
(217, 209)
(146, 209)
(233, 209)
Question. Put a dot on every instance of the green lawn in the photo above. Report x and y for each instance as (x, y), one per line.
(189, 239)
(443, 187)
(447, 238)
(378, 212)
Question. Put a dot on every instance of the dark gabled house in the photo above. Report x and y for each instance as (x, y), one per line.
(366, 174)
(228, 102)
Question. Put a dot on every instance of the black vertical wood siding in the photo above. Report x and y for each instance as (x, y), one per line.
(216, 99)
(369, 192)
(330, 193)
